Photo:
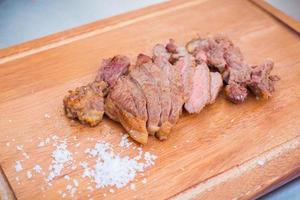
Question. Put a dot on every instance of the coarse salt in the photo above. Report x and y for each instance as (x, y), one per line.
(18, 166)
(113, 170)
(29, 174)
(144, 181)
(60, 156)
(19, 147)
(124, 141)
(37, 168)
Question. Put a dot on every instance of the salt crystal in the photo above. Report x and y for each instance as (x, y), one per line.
(111, 191)
(18, 166)
(20, 147)
(60, 156)
(41, 144)
(104, 194)
(10, 121)
(69, 187)
(29, 174)
(149, 158)
(90, 188)
(17, 179)
(37, 168)
(13, 139)
(76, 184)
(132, 186)
(144, 181)
(25, 155)
(64, 195)
(261, 162)
(77, 145)
(55, 137)
(47, 116)
(7, 144)
(124, 141)
(47, 140)
(73, 167)
(67, 177)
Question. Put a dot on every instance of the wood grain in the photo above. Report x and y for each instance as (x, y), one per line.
(221, 139)
(289, 21)
(5, 190)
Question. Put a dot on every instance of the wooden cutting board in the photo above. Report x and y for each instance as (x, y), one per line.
(226, 152)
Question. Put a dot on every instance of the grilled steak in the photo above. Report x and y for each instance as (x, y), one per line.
(200, 94)
(220, 53)
(111, 69)
(216, 84)
(86, 103)
(161, 59)
(150, 89)
(164, 94)
(123, 106)
(147, 98)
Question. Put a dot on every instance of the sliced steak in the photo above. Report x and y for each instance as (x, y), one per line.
(216, 84)
(200, 94)
(86, 103)
(262, 83)
(163, 84)
(161, 59)
(142, 58)
(111, 69)
(220, 53)
(151, 92)
(185, 62)
(121, 104)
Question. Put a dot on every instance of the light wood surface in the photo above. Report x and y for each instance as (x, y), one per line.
(288, 20)
(226, 151)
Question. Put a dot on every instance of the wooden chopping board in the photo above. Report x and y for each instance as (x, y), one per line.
(226, 152)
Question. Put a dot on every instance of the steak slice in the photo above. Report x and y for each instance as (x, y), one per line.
(185, 62)
(200, 94)
(86, 103)
(161, 59)
(111, 69)
(216, 84)
(122, 106)
(148, 86)
(163, 84)
(220, 53)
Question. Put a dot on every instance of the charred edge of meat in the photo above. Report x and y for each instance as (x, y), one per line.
(236, 93)
(142, 59)
(86, 103)
(262, 83)
(111, 69)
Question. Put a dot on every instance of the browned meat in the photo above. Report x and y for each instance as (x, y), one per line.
(151, 92)
(200, 94)
(111, 69)
(147, 98)
(122, 105)
(164, 95)
(185, 62)
(220, 53)
(161, 59)
(86, 103)
(236, 93)
(262, 83)
(216, 83)
(142, 58)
